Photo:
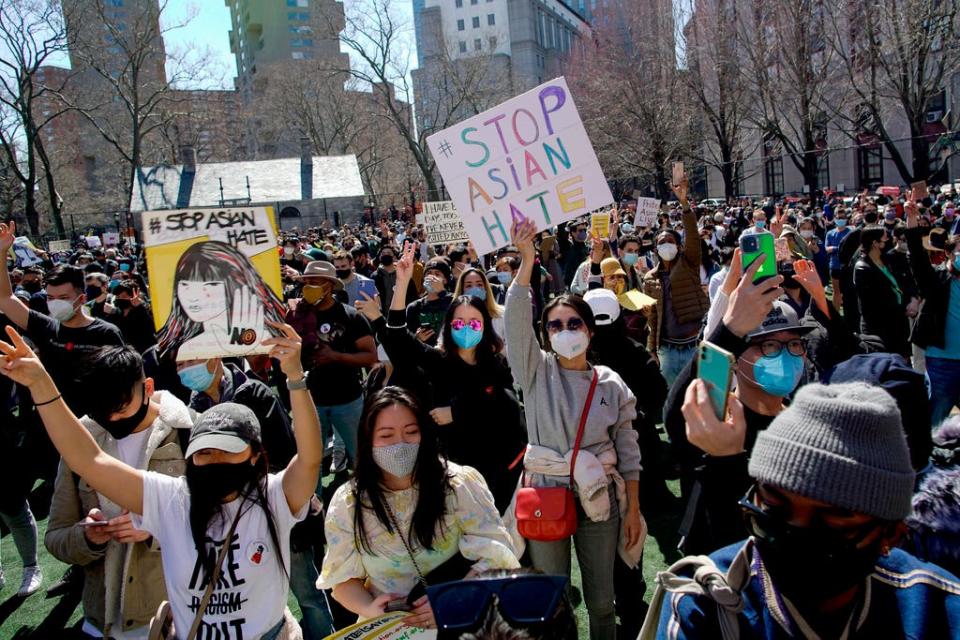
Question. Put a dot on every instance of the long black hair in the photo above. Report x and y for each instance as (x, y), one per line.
(430, 474)
(205, 508)
(490, 343)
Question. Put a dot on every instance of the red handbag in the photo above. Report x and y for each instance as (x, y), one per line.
(550, 513)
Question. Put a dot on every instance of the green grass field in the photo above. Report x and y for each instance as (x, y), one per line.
(39, 617)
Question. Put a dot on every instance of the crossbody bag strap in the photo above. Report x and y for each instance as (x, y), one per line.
(216, 575)
(583, 423)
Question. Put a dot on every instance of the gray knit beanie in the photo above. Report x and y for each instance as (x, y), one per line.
(841, 444)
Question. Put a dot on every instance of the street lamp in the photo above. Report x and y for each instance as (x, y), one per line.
(116, 220)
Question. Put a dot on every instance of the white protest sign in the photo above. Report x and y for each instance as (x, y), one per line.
(111, 238)
(58, 245)
(647, 211)
(529, 157)
(442, 224)
(92, 241)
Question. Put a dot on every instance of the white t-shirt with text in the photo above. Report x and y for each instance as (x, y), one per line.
(252, 591)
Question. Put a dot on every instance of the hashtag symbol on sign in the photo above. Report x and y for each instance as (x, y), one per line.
(155, 225)
(446, 149)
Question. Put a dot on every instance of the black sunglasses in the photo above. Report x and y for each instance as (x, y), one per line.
(556, 326)
(521, 599)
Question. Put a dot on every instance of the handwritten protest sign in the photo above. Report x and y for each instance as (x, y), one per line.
(214, 278)
(58, 245)
(600, 223)
(111, 238)
(442, 224)
(647, 210)
(92, 242)
(386, 627)
(529, 158)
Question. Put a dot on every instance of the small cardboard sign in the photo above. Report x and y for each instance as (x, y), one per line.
(600, 223)
(92, 242)
(24, 252)
(111, 238)
(59, 245)
(647, 211)
(442, 223)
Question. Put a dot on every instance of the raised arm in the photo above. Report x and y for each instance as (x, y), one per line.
(120, 483)
(10, 305)
(523, 353)
(300, 477)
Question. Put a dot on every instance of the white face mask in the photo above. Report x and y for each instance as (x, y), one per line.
(397, 459)
(569, 344)
(61, 310)
(667, 251)
(806, 233)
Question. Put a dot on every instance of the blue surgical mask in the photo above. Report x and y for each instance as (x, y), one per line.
(476, 292)
(841, 223)
(778, 375)
(466, 337)
(630, 258)
(196, 377)
(504, 277)
(956, 262)
(761, 224)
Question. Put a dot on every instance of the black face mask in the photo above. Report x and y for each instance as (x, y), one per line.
(343, 274)
(216, 481)
(386, 260)
(799, 557)
(31, 286)
(123, 427)
(122, 304)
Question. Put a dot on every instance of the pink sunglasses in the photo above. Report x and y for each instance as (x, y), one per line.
(459, 324)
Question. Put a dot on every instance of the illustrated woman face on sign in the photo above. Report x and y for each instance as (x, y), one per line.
(220, 304)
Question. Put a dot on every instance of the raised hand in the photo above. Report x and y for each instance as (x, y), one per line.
(522, 235)
(369, 307)
(20, 363)
(704, 431)
(751, 302)
(597, 247)
(286, 349)
(805, 273)
(733, 276)
(405, 264)
(8, 233)
(911, 210)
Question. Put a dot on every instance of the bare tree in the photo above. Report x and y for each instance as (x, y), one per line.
(897, 57)
(712, 53)
(130, 81)
(32, 33)
(629, 91)
(790, 72)
(376, 36)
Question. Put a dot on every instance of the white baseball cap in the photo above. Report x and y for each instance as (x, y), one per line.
(604, 304)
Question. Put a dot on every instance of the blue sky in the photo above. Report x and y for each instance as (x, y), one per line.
(209, 28)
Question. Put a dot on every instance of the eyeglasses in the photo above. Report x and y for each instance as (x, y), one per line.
(772, 348)
(521, 599)
(556, 326)
(458, 324)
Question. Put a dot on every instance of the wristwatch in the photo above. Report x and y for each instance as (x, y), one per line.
(298, 385)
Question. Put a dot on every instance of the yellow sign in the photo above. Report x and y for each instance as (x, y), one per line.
(214, 280)
(600, 224)
(634, 300)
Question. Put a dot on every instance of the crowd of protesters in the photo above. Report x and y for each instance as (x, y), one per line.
(416, 397)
